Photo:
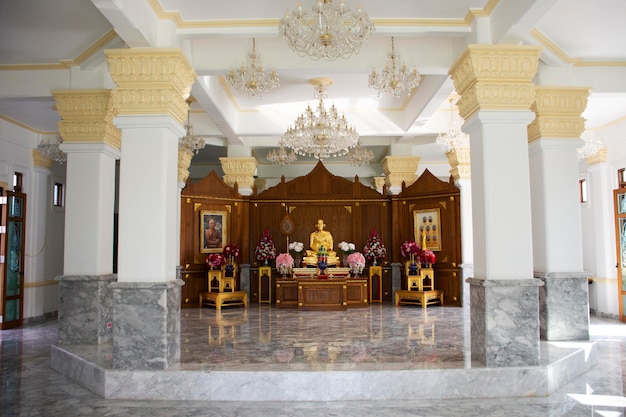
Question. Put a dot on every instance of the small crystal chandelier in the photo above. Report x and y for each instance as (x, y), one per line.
(322, 133)
(454, 137)
(359, 155)
(281, 157)
(395, 77)
(329, 31)
(251, 78)
(49, 148)
(591, 147)
(190, 142)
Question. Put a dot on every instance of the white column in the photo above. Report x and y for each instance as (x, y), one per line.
(148, 198)
(89, 204)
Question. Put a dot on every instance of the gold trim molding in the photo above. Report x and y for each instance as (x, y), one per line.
(599, 157)
(459, 160)
(184, 160)
(558, 112)
(495, 77)
(40, 161)
(151, 81)
(87, 116)
(398, 169)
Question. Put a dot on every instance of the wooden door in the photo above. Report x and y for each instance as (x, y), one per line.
(619, 197)
(12, 279)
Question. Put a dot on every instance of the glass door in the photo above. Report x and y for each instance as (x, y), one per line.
(13, 251)
(620, 244)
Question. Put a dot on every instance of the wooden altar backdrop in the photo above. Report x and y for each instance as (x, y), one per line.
(349, 209)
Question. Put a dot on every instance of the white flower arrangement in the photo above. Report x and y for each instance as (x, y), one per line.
(297, 247)
(346, 247)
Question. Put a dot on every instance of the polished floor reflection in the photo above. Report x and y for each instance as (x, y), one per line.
(266, 338)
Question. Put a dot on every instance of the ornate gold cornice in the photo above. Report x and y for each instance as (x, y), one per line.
(87, 116)
(239, 170)
(398, 169)
(40, 161)
(558, 112)
(495, 77)
(151, 81)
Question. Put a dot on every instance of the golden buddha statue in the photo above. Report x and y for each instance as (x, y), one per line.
(318, 239)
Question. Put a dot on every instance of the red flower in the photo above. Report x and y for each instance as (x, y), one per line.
(215, 260)
(374, 247)
(265, 249)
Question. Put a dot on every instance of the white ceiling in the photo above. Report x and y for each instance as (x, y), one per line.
(582, 40)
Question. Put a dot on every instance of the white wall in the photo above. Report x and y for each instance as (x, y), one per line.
(597, 216)
(44, 226)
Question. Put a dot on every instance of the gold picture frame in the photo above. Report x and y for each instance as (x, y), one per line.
(427, 227)
(213, 231)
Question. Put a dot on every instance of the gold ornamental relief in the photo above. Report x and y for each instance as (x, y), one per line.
(184, 160)
(555, 127)
(133, 68)
(496, 96)
(243, 181)
(40, 161)
(85, 104)
(144, 101)
(238, 166)
(600, 156)
(566, 101)
(90, 132)
(400, 164)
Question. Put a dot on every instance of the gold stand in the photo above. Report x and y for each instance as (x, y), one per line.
(265, 271)
(376, 274)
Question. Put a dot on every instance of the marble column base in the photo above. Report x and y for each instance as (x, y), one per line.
(85, 309)
(505, 321)
(564, 305)
(396, 278)
(146, 324)
(244, 277)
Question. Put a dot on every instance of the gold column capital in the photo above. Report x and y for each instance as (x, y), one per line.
(40, 161)
(184, 161)
(459, 160)
(379, 182)
(151, 81)
(398, 169)
(87, 116)
(558, 112)
(599, 157)
(495, 77)
(239, 170)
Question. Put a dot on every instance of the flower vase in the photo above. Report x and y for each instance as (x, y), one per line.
(322, 265)
(375, 262)
(412, 268)
(344, 261)
(298, 260)
(266, 262)
(229, 268)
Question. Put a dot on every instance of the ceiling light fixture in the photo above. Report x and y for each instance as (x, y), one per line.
(250, 78)
(49, 148)
(329, 31)
(359, 155)
(591, 147)
(395, 77)
(322, 133)
(281, 156)
(190, 142)
(454, 137)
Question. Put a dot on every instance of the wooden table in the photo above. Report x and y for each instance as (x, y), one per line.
(321, 294)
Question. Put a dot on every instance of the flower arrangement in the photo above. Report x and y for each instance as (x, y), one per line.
(265, 249)
(410, 249)
(230, 252)
(297, 247)
(346, 248)
(356, 261)
(215, 260)
(428, 257)
(284, 263)
(374, 248)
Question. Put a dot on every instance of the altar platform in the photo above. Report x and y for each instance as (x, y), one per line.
(381, 352)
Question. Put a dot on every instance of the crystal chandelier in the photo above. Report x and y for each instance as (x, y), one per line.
(591, 147)
(190, 142)
(454, 137)
(322, 133)
(49, 148)
(329, 31)
(281, 157)
(251, 78)
(359, 155)
(395, 77)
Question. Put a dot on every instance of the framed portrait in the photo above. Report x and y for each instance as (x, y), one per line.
(427, 227)
(213, 231)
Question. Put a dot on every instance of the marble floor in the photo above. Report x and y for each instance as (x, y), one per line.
(264, 338)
